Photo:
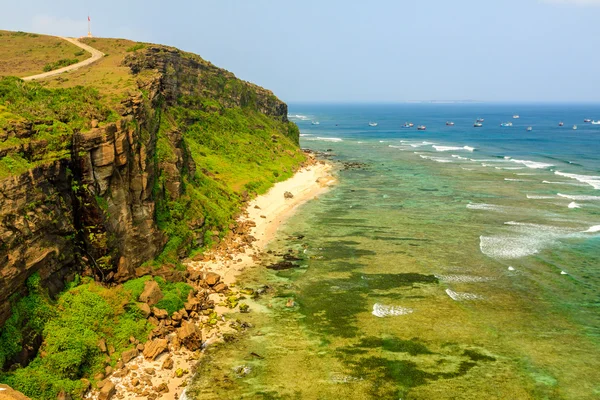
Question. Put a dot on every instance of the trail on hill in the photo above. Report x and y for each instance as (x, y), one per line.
(96, 55)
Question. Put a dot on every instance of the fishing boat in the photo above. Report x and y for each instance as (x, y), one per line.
(561, 124)
(595, 122)
(315, 122)
(410, 124)
(529, 129)
(477, 124)
(516, 116)
(372, 123)
(574, 127)
(421, 127)
(449, 123)
(587, 120)
(506, 124)
(406, 125)
(480, 120)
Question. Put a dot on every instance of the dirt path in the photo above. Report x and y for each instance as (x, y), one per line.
(96, 55)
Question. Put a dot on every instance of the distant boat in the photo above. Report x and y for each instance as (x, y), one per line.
(506, 124)
(595, 122)
(587, 120)
(449, 123)
(406, 125)
(516, 116)
(574, 127)
(477, 124)
(410, 124)
(480, 120)
(372, 123)
(561, 124)
(315, 122)
(421, 127)
(529, 129)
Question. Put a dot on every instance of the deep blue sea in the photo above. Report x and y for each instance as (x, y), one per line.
(451, 263)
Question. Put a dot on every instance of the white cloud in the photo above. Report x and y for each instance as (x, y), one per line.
(574, 2)
(59, 26)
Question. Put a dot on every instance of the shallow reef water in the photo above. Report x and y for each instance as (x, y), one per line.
(423, 279)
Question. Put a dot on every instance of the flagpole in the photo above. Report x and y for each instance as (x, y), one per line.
(89, 27)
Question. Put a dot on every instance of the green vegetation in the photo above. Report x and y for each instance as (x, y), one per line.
(63, 62)
(135, 47)
(72, 326)
(40, 122)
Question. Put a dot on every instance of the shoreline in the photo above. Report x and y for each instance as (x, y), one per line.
(167, 376)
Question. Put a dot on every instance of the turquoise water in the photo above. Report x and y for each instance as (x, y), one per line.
(451, 263)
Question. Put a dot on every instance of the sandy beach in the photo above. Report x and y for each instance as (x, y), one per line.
(166, 377)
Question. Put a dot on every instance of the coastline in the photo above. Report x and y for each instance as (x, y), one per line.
(166, 376)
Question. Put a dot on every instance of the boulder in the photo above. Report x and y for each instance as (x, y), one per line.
(160, 313)
(151, 294)
(129, 355)
(288, 195)
(145, 309)
(212, 279)
(190, 336)
(102, 346)
(154, 348)
(8, 393)
(220, 287)
(168, 363)
(107, 392)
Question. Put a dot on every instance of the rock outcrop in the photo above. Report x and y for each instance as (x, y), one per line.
(7, 393)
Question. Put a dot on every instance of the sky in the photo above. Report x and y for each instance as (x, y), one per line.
(360, 51)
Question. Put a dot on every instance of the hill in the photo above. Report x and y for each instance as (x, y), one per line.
(143, 158)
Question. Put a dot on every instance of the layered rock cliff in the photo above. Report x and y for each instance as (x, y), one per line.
(151, 175)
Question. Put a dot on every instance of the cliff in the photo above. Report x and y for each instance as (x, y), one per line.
(144, 157)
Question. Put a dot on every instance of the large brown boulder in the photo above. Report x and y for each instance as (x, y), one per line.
(144, 309)
(107, 392)
(212, 278)
(152, 293)
(190, 336)
(8, 393)
(129, 355)
(154, 348)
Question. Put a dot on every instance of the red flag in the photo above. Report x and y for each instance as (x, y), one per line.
(89, 18)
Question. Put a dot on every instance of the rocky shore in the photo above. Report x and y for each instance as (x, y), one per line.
(161, 367)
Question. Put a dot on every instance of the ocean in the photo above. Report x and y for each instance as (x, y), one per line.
(451, 263)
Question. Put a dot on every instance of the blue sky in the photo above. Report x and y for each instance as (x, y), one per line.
(361, 51)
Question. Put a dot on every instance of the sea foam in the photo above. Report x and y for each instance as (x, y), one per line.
(593, 229)
(579, 197)
(453, 148)
(593, 181)
(462, 278)
(460, 296)
(532, 164)
(381, 310)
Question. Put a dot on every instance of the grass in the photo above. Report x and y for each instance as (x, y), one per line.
(23, 54)
(71, 327)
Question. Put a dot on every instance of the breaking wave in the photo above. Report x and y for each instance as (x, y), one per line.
(381, 310)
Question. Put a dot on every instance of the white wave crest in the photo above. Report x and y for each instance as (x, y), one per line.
(509, 247)
(516, 180)
(459, 157)
(460, 296)
(574, 205)
(453, 148)
(485, 207)
(593, 181)
(593, 229)
(462, 278)
(325, 139)
(579, 197)
(532, 164)
(536, 197)
(381, 310)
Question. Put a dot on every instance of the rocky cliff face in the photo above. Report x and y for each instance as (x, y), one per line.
(94, 210)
